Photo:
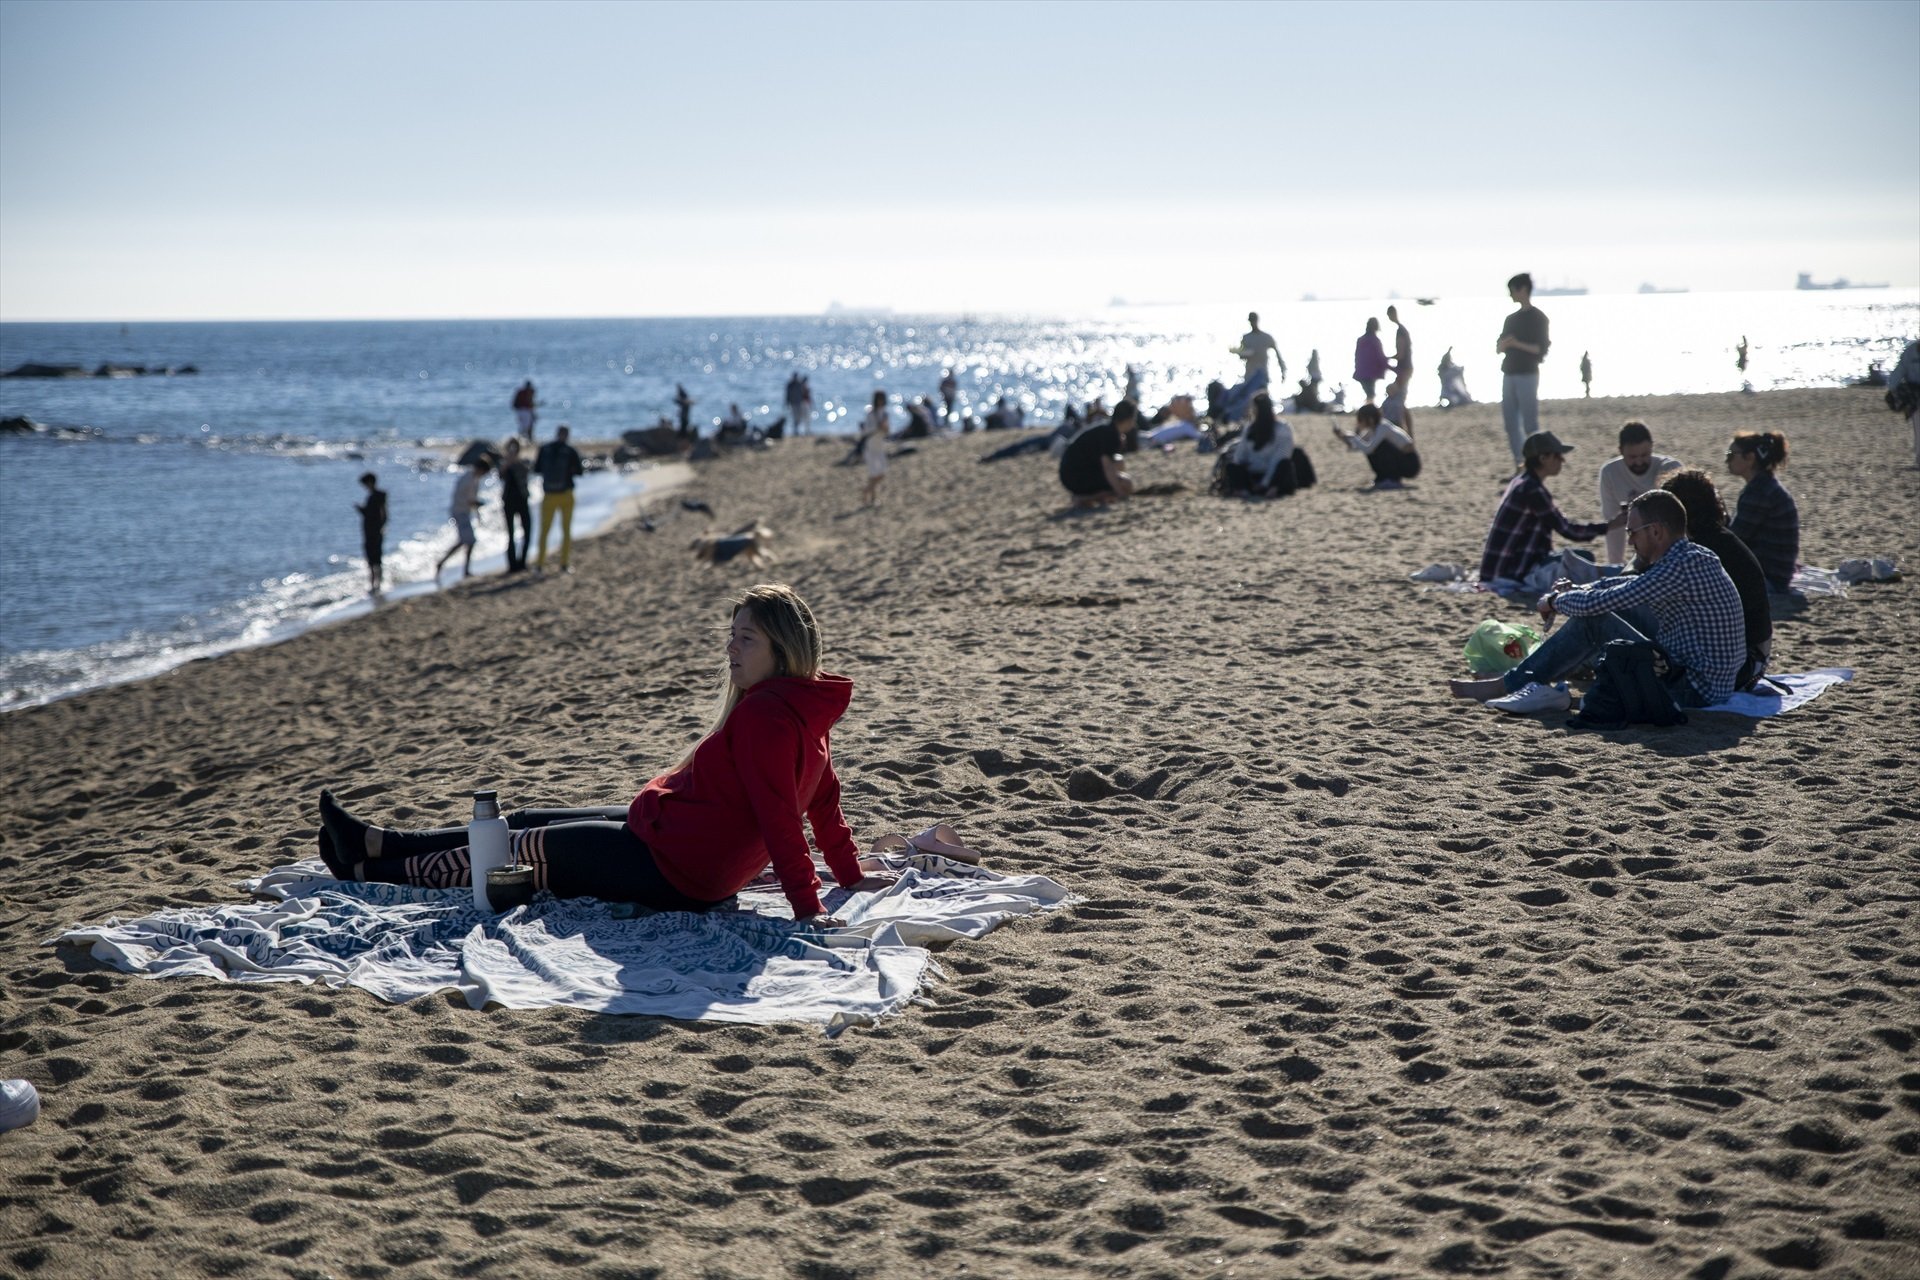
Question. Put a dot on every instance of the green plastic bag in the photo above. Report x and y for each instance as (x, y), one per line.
(1496, 647)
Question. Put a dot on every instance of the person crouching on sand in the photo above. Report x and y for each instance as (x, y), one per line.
(697, 834)
(1091, 467)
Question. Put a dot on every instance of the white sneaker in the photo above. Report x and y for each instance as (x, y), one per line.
(1535, 698)
(1438, 573)
(19, 1104)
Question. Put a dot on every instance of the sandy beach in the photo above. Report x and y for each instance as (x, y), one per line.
(1367, 981)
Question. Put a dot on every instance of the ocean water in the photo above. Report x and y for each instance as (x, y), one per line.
(171, 517)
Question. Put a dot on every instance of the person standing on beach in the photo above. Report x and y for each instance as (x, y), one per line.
(466, 501)
(523, 415)
(949, 392)
(1523, 344)
(1637, 470)
(559, 466)
(1586, 373)
(874, 430)
(373, 527)
(800, 405)
(684, 403)
(513, 500)
(1402, 345)
(1740, 352)
(1369, 358)
(1253, 349)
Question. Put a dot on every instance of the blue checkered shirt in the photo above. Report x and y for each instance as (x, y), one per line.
(1698, 622)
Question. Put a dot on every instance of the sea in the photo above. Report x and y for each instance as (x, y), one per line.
(172, 516)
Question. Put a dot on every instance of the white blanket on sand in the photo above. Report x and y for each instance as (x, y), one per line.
(1777, 695)
(751, 964)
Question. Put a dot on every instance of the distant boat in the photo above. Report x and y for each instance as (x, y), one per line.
(1425, 302)
(1654, 288)
(1562, 291)
(1839, 282)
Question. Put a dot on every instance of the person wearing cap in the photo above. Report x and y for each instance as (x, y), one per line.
(1683, 597)
(1522, 346)
(1520, 543)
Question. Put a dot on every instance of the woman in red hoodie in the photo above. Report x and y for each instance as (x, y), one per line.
(696, 835)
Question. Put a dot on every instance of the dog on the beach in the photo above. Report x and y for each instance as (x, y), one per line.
(752, 544)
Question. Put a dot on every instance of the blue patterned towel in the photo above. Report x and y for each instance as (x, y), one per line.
(743, 965)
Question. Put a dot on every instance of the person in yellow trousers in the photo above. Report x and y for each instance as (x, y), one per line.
(558, 464)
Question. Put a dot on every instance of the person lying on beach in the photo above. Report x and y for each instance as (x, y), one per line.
(1707, 526)
(1766, 518)
(697, 834)
(1683, 601)
(1091, 467)
(1389, 450)
(1519, 546)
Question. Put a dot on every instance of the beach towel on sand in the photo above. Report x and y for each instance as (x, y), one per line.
(746, 965)
(1786, 693)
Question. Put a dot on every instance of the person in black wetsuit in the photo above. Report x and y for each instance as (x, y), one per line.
(513, 498)
(1091, 468)
(373, 527)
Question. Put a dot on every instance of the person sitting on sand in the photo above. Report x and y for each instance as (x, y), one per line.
(1519, 545)
(697, 834)
(1389, 450)
(1766, 518)
(1393, 405)
(1707, 527)
(1091, 467)
(1684, 597)
(1636, 470)
(466, 501)
(1260, 463)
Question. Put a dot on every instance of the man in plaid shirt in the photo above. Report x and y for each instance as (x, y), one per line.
(1521, 537)
(1683, 595)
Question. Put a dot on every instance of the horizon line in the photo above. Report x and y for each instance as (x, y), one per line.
(877, 311)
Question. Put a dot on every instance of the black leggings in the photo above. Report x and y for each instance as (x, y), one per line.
(574, 853)
(1391, 462)
(517, 555)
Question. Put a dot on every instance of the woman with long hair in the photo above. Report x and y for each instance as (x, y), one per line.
(1766, 518)
(1707, 525)
(697, 834)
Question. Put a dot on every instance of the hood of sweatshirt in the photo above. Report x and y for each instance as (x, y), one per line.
(817, 702)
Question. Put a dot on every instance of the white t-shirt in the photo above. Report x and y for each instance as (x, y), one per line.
(1385, 433)
(1618, 487)
(1254, 348)
(465, 490)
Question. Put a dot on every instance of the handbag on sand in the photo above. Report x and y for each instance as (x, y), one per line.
(1627, 689)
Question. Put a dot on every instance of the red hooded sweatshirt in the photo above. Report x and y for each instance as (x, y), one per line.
(714, 822)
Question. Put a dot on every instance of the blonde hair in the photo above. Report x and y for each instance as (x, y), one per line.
(786, 621)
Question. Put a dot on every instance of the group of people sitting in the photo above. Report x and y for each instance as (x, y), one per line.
(1699, 589)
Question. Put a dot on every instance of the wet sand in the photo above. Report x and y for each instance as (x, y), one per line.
(1367, 982)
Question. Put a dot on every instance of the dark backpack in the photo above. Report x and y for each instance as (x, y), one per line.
(1627, 689)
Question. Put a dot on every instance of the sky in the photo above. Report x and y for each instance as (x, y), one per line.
(398, 160)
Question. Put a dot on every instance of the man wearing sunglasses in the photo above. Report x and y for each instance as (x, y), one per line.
(1684, 594)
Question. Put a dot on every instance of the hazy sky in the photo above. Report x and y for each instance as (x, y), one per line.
(269, 160)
